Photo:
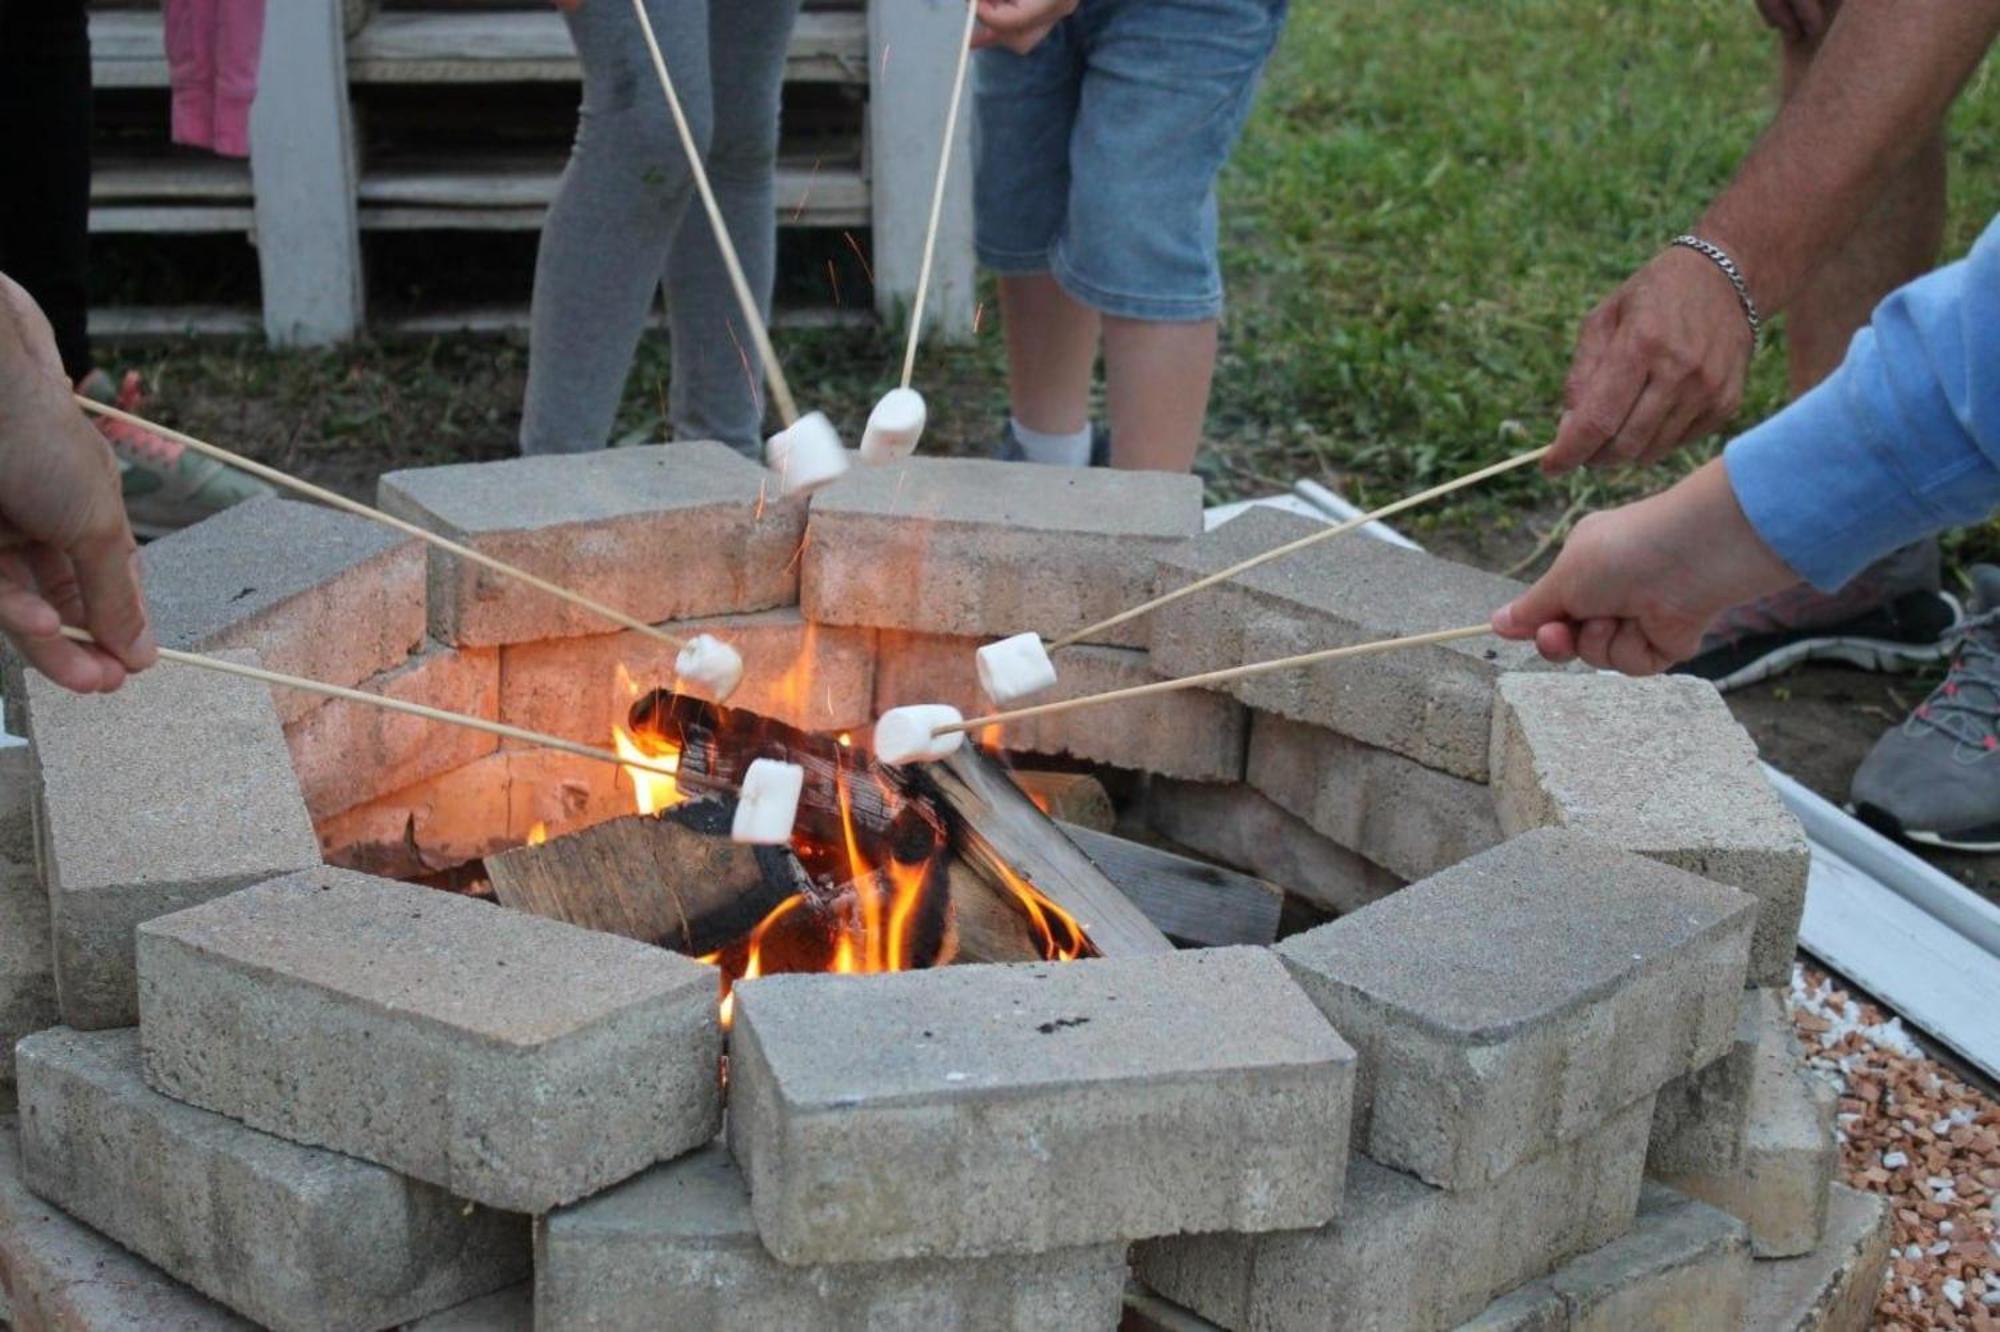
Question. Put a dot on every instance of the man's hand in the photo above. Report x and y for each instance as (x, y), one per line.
(1019, 25)
(1659, 363)
(1634, 588)
(66, 551)
(1797, 20)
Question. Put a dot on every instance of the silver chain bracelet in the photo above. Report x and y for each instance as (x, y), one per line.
(1716, 255)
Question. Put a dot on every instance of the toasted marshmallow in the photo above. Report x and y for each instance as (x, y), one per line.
(711, 666)
(894, 427)
(1015, 668)
(768, 804)
(907, 735)
(806, 455)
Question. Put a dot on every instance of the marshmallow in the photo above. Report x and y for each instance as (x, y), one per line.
(806, 454)
(894, 427)
(905, 735)
(1015, 668)
(768, 804)
(711, 665)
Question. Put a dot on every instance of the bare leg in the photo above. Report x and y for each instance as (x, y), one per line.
(1051, 353)
(1157, 377)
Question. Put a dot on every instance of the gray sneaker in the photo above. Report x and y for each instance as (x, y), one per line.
(1935, 780)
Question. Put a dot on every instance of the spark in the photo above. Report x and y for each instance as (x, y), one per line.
(800, 553)
(763, 485)
(855, 245)
(833, 279)
(806, 195)
(742, 356)
(978, 317)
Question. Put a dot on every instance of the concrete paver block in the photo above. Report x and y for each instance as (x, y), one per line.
(660, 533)
(677, 1247)
(1052, 1106)
(176, 789)
(1408, 818)
(509, 1310)
(58, 1275)
(1243, 828)
(1192, 734)
(1685, 1265)
(1432, 704)
(1661, 768)
(516, 1061)
(17, 797)
(814, 677)
(298, 1238)
(27, 967)
(1701, 1116)
(1523, 997)
(1532, 1308)
(1405, 1256)
(312, 591)
(1833, 1288)
(983, 549)
(346, 753)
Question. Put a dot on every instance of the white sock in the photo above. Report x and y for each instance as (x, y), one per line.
(1054, 450)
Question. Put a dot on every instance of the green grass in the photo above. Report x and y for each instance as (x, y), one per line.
(1428, 199)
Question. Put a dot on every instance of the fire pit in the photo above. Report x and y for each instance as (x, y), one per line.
(1389, 986)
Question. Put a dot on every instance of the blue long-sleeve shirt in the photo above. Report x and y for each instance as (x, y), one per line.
(1900, 442)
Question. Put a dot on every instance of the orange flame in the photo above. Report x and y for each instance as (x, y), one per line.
(651, 791)
(538, 834)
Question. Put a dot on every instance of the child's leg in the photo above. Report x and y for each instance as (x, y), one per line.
(717, 386)
(1167, 87)
(608, 232)
(1021, 183)
(45, 163)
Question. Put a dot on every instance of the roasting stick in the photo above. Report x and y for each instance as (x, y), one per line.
(502, 729)
(338, 501)
(1291, 547)
(937, 192)
(1217, 677)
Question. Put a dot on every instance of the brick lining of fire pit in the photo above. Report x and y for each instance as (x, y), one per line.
(1440, 1103)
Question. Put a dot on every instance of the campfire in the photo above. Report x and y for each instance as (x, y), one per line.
(888, 869)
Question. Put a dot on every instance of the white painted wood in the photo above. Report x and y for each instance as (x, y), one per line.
(170, 219)
(172, 321)
(128, 49)
(509, 194)
(302, 158)
(115, 180)
(912, 52)
(514, 318)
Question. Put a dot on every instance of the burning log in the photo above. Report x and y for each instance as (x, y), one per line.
(1190, 900)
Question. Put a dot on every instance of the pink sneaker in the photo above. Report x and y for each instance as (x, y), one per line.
(166, 486)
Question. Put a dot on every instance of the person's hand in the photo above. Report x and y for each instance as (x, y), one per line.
(1019, 25)
(1659, 363)
(1634, 588)
(66, 551)
(1797, 20)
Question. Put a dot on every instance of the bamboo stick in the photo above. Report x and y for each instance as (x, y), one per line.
(338, 501)
(937, 193)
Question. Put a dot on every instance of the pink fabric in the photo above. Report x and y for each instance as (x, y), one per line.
(212, 51)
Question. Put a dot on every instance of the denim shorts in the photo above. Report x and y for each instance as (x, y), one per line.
(1096, 153)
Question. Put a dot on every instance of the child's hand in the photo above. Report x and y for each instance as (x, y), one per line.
(1635, 588)
(1019, 25)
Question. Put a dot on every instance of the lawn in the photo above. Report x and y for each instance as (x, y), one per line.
(1426, 202)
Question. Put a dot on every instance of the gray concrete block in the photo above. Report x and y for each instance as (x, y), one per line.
(58, 1275)
(1833, 1288)
(677, 1247)
(346, 753)
(662, 533)
(509, 1310)
(1661, 768)
(17, 799)
(1052, 1106)
(491, 804)
(297, 1238)
(1405, 1257)
(1192, 734)
(814, 677)
(1431, 704)
(174, 790)
(312, 591)
(1783, 1158)
(1408, 818)
(983, 549)
(1685, 1266)
(512, 1060)
(1521, 998)
(1700, 1118)
(1237, 826)
(1532, 1308)
(27, 967)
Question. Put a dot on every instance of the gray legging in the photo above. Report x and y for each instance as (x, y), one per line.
(626, 216)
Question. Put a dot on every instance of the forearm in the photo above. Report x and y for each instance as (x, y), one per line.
(1880, 84)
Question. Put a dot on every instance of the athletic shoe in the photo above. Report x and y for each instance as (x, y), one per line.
(1935, 779)
(1009, 448)
(1891, 617)
(167, 487)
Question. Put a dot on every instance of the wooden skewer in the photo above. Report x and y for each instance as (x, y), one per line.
(299, 682)
(753, 318)
(1219, 677)
(360, 510)
(1291, 547)
(937, 192)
